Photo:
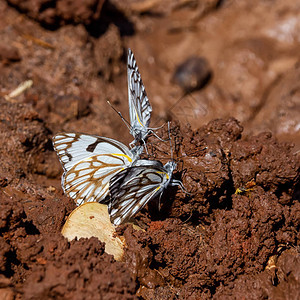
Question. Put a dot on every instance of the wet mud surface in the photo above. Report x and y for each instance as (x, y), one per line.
(227, 75)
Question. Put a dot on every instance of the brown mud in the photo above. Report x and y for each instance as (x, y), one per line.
(205, 65)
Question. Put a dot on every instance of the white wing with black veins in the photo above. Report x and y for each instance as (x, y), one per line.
(89, 162)
(131, 189)
(139, 106)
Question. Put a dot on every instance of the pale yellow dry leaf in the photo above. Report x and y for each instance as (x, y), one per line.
(92, 219)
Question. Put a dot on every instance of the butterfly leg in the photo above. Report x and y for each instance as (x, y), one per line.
(156, 128)
(179, 183)
(132, 144)
(146, 148)
(159, 201)
(162, 140)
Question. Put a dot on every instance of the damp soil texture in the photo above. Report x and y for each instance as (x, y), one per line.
(227, 74)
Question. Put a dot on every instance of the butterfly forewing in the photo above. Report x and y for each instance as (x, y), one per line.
(139, 106)
(132, 188)
(74, 147)
(89, 163)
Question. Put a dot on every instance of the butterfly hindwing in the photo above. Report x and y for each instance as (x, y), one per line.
(88, 180)
(89, 162)
(132, 188)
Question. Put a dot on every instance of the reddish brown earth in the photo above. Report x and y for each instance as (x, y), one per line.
(205, 65)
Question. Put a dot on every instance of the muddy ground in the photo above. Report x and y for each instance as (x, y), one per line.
(227, 74)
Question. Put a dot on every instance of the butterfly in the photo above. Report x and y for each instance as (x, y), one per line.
(139, 105)
(89, 162)
(132, 188)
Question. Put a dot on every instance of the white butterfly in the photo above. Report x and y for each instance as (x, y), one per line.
(139, 106)
(131, 189)
(89, 162)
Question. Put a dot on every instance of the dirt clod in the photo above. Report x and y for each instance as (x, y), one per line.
(234, 232)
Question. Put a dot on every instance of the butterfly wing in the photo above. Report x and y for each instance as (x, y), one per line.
(132, 188)
(139, 106)
(89, 162)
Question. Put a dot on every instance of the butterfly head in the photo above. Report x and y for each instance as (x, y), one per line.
(139, 132)
(170, 166)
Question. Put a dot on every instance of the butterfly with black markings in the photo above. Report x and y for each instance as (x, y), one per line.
(139, 105)
(89, 162)
(131, 189)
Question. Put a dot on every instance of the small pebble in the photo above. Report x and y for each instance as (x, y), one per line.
(192, 74)
(9, 53)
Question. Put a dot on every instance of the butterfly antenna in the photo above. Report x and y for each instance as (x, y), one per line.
(175, 182)
(169, 133)
(119, 113)
(192, 153)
